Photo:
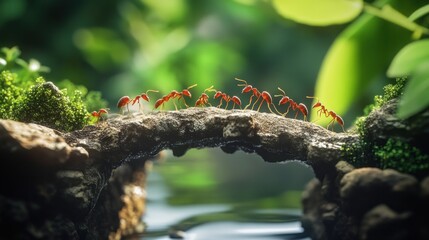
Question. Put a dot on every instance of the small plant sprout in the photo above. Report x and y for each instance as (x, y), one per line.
(122, 102)
(249, 88)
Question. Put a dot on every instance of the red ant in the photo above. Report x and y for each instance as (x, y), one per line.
(336, 118)
(143, 96)
(295, 106)
(249, 88)
(223, 96)
(328, 113)
(125, 100)
(322, 109)
(266, 97)
(175, 94)
(204, 98)
(99, 115)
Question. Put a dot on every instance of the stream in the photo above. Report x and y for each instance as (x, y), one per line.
(208, 194)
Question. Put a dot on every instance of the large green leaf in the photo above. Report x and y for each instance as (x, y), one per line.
(415, 97)
(408, 58)
(357, 57)
(319, 12)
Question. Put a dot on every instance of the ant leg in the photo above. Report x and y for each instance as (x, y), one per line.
(184, 101)
(276, 109)
(254, 104)
(259, 106)
(227, 103)
(330, 124)
(287, 111)
(250, 102)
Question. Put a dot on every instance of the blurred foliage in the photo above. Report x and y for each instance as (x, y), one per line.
(27, 97)
(361, 54)
(319, 13)
(413, 61)
(126, 47)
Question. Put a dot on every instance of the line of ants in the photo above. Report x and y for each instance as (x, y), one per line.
(203, 101)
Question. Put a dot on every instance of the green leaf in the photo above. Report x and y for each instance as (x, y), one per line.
(419, 13)
(390, 14)
(415, 97)
(408, 58)
(357, 57)
(317, 12)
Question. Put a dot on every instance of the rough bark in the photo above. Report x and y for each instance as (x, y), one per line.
(274, 138)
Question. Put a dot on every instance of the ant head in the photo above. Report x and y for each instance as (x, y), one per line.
(218, 94)
(236, 100)
(186, 92)
(247, 88)
(318, 104)
(123, 101)
(284, 100)
(145, 97)
(101, 111)
(95, 114)
(204, 96)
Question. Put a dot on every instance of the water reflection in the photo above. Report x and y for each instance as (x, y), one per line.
(208, 194)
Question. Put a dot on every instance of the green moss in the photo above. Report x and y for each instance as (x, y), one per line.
(45, 104)
(26, 96)
(401, 156)
(9, 92)
(392, 153)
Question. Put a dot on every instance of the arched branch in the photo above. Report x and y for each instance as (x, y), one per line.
(274, 138)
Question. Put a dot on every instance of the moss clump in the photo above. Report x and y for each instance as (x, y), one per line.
(9, 92)
(392, 153)
(45, 104)
(401, 156)
(26, 96)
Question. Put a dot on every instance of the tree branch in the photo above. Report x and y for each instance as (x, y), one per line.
(274, 138)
